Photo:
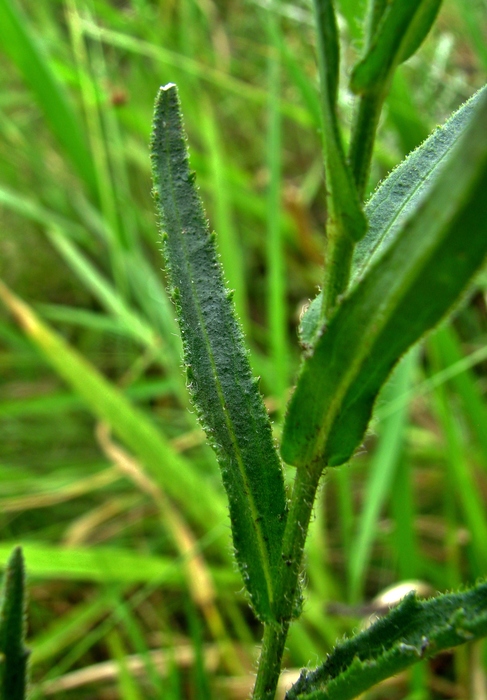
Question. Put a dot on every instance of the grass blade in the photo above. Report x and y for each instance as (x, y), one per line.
(431, 259)
(19, 42)
(225, 394)
(460, 472)
(167, 467)
(382, 470)
(105, 565)
(276, 276)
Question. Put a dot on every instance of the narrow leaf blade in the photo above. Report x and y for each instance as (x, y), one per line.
(13, 653)
(401, 192)
(394, 200)
(226, 396)
(407, 290)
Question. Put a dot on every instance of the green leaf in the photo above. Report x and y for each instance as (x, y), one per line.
(225, 394)
(406, 290)
(396, 198)
(401, 192)
(402, 29)
(13, 653)
(412, 631)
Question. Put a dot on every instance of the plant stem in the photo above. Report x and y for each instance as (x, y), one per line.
(339, 252)
(368, 111)
(287, 604)
(363, 137)
(270, 661)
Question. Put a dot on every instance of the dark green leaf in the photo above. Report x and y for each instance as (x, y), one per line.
(400, 193)
(412, 631)
(409, 287)
(13, 654)
(226, 396)
(396, 198)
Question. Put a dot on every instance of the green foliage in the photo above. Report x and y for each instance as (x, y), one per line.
(394, 199)
(347, 223)
(119, 531)
(385, 311)
(13, 653)
(412, 631)
(226, 396)
(409, 273)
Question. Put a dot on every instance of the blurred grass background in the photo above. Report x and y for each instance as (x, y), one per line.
(105, 476)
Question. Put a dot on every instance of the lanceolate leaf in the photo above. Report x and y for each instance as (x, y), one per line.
(401, 31)
(225, 394)
(413, 631)
(398, 195)
(13, 654)
(404, 293)
(395, 198)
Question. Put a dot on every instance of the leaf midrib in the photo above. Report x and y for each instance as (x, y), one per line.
(240, 462)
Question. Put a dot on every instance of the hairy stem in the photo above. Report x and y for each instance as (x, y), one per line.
(368, 111)
(363, 137)
(270, 661)
(339, 252)
(287, 590)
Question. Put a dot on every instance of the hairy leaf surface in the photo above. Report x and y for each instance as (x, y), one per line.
(13, 653)
(225, 394)
(407, 289)
(412, 631)
(395, 198)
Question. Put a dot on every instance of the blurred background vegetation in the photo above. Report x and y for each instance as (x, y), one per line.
(105, 476)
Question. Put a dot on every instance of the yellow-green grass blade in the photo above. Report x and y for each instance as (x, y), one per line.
(382, 468)
(176, 475)
(64, 631)
(460, 469)
(276, 272)
(464, 383)
(105, 565)
(127, 687)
